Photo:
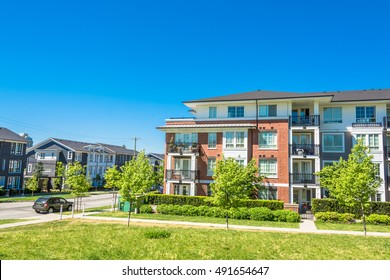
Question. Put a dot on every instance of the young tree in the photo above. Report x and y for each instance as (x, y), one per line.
(112, 177)
(32, 184)
(60, 173)
(76, 181)
(137, 178)
(233, 182)
(159, 175)
(353, 181)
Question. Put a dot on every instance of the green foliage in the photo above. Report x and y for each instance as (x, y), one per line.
(335, 217)
(60, 173)
(377, 219)
(76, 180)
(240, 213)
(32, 184)
(146, 209)
(261, 214)
(157, 233)
(159, 175)
(112, 177)
(293, 217)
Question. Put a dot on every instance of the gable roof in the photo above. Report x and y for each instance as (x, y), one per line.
(156, 156)
(337, 96)
(7, 134)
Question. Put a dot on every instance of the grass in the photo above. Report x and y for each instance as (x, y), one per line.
(9, 221)
(98, 240)
(351, 227)
(199, 219)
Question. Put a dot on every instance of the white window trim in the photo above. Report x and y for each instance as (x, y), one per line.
(70, 155)
(208, 146)
(235, 141)
(276, 168)
(332, 120)
(276, 140)
(268, 116)
(323, 142)
(29, 167)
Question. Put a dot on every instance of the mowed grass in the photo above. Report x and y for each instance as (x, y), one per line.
(98, 240)
(9, 221)
(198, 219)
(352, 227)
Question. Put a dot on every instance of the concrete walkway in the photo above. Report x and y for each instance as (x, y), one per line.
(306, 226)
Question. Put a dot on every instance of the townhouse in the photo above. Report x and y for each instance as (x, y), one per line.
(289, 135)
(96, 157)
(12, 159)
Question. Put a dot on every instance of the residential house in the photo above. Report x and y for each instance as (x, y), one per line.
(12, 159)
(289, 135)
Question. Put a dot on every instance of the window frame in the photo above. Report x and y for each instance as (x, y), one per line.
(365, 118)
(332, 119)
(267, 110)
(269, 160)
(334, 151)
(233, 141)
(212, 112)
(236, 111)
(212, 140)
(267, 146)
(211, 162)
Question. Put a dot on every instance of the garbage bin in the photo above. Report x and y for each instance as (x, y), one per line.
(124, 206)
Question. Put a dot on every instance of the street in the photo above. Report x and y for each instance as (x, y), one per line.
(23, 210)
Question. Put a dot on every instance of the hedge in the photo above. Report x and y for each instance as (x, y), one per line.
(158, 199)
(331, 205)
(335, 217)
(378, 219)
(243, 213)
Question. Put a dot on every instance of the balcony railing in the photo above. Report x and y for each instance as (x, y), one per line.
(310, 120)
(191, 148)
(368, 123)
(304, 150)
(182, 175)
(304, 178)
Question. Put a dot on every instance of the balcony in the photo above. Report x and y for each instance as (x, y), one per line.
(370, 122)
(186, 148)
(304, 150)
(304, 179)
(182, 175)
(309, 120)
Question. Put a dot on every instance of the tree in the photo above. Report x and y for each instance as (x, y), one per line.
(158, 174)
(32, 184)
(233, 182)
(112, 177)
(60, 173)
(352, 182)
(137, 178)
(76, 181)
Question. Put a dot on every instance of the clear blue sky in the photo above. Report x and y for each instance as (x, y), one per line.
(111, 70)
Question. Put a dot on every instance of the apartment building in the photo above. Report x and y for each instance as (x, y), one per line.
(289, 135)
(12, 159)
(96, 157)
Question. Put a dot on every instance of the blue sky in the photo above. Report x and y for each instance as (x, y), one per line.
(109, 71)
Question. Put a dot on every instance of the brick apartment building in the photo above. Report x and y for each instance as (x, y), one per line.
(290, 135)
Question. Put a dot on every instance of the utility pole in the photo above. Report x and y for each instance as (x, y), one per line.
(135, 145)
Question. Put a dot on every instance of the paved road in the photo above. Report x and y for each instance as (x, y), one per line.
(23, 210)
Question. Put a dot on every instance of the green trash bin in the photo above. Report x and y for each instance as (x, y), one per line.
(124, 206)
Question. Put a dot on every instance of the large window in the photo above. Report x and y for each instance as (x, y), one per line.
(268, 168)
(13, 182)
(333, 142)
(333, 115)
(235, 139)
(212, 140)
(15, 166)
(370, 140)
(268, 140)
(210, 166)
(235, 111)
(365, 114)
(268, 193)
(2, 181)
(267, 110)
(186, 138)
(16, 149)
(212, 112)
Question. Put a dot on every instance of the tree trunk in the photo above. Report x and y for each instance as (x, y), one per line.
(227, 221)
(364, 221)
(128, 220)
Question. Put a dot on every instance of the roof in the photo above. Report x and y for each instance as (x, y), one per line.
(156, 156)
(6, 134)
(215, 125)
(337, 96)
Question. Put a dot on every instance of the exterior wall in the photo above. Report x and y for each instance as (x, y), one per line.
(5, 158)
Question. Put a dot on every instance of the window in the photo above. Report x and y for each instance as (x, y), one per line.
(370, 140)
(212, 112)
(212, 140)
(333, 115)
(365, 114)
(235, 111)
(377, 170)
(2, 181)
(210, 166)
(267, 110)
(13, 182)
(181, 189)
(378, 197)
(186, 138)
(333, 142)
(240, 161)
(70, 155)
(268, 168)
(4, 164)
(29, 168)
(268, 140)
(15, 166)
(235, 139)
(268, 194)
(79, 157)
(328, 162)
(42, 156)
(16, 148)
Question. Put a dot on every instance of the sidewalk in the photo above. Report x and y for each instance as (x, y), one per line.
(306, 226)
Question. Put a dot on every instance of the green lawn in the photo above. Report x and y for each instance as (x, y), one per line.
(9, 221)
(97, 240)
(28, 197)
(199, 219)
(351, 227)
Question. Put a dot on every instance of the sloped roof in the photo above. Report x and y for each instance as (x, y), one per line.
(7, 134)
(208, 125)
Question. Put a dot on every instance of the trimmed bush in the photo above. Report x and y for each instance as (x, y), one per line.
(335, 217)
(286, 216)
(146, 209)
(378, 219)
(241, 213)
(346, 218)
(293, 217)
(261, 214)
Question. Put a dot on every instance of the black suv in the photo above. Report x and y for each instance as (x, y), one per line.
(51, 204)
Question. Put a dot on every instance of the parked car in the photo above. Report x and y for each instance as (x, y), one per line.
(51, 204)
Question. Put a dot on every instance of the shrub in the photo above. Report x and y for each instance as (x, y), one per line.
(146, 209)
(335, 217)
(378, 219)
(189, 210)
(241, 213)
(293, 217)
(280, 215)
(261, 214)
(346, 218)
(157, 234)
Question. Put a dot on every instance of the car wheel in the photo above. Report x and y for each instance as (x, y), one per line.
(70, 208)
(50, 210)
(37, 211)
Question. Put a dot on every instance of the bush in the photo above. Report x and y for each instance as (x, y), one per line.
(293, 217)
(146, 209)
(189, 210)
(377, 219)
(335, 217)
(241, 213)
(261, 214)
(157, 234)
(346, 218)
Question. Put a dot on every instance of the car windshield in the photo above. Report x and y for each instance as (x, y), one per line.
(41, 199)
